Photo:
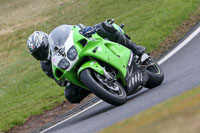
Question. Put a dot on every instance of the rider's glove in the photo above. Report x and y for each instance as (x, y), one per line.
(88, 31)
(61, 83)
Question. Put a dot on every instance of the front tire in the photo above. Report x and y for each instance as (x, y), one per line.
(89, 79)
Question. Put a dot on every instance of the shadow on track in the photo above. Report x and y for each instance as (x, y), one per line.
(106, 108)
(137, 95)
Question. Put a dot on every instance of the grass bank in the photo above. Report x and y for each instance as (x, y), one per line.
(24, 88)
(178, 115)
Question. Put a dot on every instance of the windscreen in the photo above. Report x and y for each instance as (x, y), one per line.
(59, 36)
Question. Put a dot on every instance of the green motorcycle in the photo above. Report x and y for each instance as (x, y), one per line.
(107, 69)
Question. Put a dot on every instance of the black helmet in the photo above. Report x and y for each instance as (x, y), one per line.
(38, 45)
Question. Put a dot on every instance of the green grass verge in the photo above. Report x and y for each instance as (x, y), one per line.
(178, 115)
(24, 88)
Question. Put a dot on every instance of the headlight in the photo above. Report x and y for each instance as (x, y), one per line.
(71, 54)
(63, 64)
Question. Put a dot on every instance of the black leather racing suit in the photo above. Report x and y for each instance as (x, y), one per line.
(75, 94)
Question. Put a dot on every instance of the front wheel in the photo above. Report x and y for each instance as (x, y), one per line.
(110, 92)
(155, 74)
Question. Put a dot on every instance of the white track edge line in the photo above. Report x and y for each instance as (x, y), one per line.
(169, 55)
(72, 116)
(181, 45)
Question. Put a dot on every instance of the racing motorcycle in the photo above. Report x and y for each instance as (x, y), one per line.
(107, 69)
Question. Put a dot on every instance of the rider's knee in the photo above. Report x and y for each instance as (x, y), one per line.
(75, 94)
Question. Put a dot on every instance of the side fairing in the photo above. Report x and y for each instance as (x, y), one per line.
(111, 53)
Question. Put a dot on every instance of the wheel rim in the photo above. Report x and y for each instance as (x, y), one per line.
(110, 86)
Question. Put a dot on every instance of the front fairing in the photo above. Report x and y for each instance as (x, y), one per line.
(113, 54)
(57, 57)
(61, 41)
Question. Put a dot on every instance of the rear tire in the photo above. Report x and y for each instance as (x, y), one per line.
(89, 79)
(155, 75)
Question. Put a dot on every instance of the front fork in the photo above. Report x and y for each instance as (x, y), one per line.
(92, 64)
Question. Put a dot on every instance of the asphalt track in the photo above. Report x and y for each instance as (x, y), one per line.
(182, 72)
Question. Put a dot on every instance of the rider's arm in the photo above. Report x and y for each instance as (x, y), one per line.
(46, 67)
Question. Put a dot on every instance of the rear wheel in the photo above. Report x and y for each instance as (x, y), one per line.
(155, 74)
(109, 91)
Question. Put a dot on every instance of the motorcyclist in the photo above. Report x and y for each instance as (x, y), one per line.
(38, 45)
